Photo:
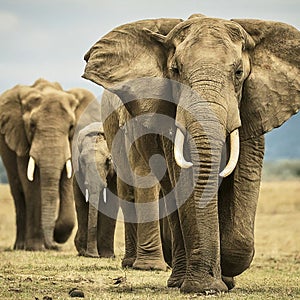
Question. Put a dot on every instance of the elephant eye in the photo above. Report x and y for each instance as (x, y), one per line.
(239, 73)
(108, 161)
(71, 130)
(32, 125)
(174, 67)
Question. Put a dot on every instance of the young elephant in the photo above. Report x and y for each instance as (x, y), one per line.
(36, 126)
(95, 234)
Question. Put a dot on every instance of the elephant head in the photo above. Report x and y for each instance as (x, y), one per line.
(94, 160)
(246, 72)
(38, 122)
(246, 69)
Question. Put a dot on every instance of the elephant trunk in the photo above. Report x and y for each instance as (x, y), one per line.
(202, 237)
(50, 178)
(202, 120)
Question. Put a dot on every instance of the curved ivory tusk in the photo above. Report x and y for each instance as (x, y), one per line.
(178, 151)
(69, 168)
(86, 195)
(234, 153)
(30, 168)
(104, 195)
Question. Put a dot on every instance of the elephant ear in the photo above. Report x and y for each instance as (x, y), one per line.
(84, 98)
(11, 120)
(87, 111)
(271, 93)
(127, 52)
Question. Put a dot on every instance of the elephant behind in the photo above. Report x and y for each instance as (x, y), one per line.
(95, 233)
(37, 124)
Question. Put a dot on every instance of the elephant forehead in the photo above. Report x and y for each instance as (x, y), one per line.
(57, 104)
(212, 29)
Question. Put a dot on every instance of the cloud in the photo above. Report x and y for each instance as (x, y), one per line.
(8, 21)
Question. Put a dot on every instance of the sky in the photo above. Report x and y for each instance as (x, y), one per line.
(49, 38)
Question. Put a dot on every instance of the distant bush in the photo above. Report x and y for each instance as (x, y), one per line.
(281, 170)
(3, 177)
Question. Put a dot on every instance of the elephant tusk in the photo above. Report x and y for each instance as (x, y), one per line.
(30, 168)
(178, 151)
(69, 168)
(234, 153)
(104, 195)
(86, 195)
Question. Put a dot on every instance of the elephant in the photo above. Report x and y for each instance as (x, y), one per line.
(147, 244)
(95, 233)
(229, 83)
(37, 123)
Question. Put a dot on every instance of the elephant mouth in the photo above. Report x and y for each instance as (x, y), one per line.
(32, 164)
(233, 158)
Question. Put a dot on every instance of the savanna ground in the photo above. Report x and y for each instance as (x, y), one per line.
(274, 274)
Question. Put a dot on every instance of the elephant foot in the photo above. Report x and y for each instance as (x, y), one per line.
(128, 262)
(34, 245)
(91, 254)
(80, 245)
(53, 246)
(176, 279)
(91, 250)
(19, 246)
(229, 281)
(80, 252)
(35, 248)
(150, 265)
(175, 282)
(106, 253)
(206, 286)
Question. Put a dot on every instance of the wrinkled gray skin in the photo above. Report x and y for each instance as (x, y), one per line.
(249, 72)
(95, 233)
(38, 121)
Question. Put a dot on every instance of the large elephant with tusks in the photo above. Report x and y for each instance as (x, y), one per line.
(37, 124)
(231, 81)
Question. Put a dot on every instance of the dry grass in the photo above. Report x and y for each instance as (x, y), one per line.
(275, 272)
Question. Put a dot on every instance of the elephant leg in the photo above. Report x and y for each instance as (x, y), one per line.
(66, 217)
(166, 240)
(20, 209)
(178, 250)
(106, 227)
(91, 249)
(82, 209)
(130, 244)
(107, 223)
(125, 193)
(149, 247)
(33, 237)
(238, 197)
(10, 162)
